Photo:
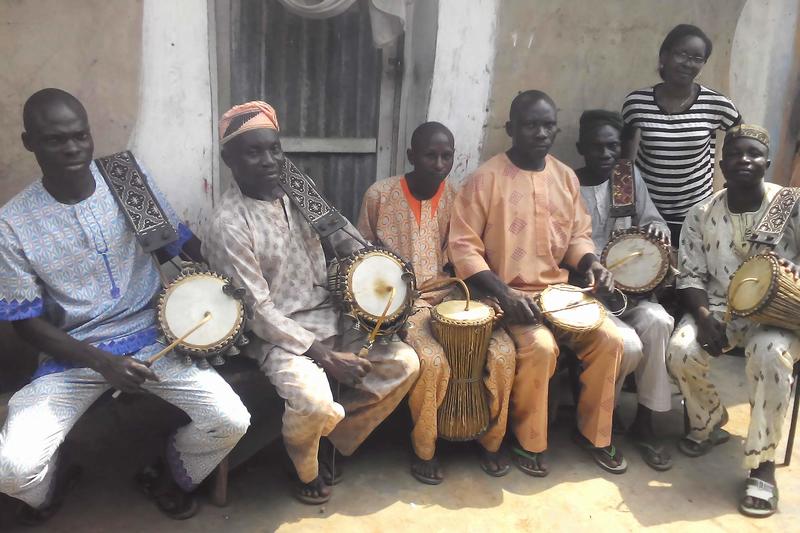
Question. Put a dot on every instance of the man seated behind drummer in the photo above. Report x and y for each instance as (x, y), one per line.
(78, 286)
(259, 237)
(645, 325)
(410, 215)
(515, 220)
(714, 243)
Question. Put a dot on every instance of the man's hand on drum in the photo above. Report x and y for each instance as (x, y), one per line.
(519, 308)
(596, 274)
(791, 268)
(125, 373)
(711, 334)
(345, 367)
(659, 233)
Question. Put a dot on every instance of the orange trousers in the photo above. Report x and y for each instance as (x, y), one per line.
(537, 352)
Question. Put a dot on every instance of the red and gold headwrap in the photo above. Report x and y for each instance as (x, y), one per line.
(245, 117)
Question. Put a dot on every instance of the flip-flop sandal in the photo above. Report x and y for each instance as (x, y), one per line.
(181, 507)
(761, 490)
(519, 453)
(65, 481)
(601, 455)
(692, 448)
(500, 472)
(654, 455)
(425, 479)
(307, 498)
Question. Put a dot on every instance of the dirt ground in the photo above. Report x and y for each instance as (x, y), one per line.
(378, 494)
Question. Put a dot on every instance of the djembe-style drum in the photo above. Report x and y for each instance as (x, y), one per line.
(639, 262)
(570, 310)
(464, 329)
(765, 292)
(373, 286)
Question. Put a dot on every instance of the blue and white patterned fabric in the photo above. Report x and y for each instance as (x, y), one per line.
(80, 268)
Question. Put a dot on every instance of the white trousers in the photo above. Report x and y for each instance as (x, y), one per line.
(771, 353)
(42, 413)
(646, 328)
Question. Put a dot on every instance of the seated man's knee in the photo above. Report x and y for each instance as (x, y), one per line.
(234, 420)
(408, 361)
(18, 471)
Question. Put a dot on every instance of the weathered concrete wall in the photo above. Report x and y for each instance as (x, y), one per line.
(764, 70)
(70, 45)
(589, 54)
(141, 69)
(462, 76)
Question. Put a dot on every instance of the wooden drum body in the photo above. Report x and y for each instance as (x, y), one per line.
(639, 262)
(187, 300)
(570, 310)
(464, 335)
(764, 292)
(363, 283)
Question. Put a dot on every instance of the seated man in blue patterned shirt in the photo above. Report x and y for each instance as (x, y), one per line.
(79, 288)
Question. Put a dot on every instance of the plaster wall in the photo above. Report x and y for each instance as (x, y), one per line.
(90, 48)
(462, 75)
(588, 54)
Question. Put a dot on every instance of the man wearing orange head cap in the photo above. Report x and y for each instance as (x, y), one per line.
(270, 244)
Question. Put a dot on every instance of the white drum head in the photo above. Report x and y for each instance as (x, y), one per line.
(580, 317)
(454, 310)
(636, 262)
(372, 279)
(750, 284)
(187, 302)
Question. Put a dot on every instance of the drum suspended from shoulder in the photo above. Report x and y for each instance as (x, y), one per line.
(640, 262)
(207, 302)
(763, 291)
(372, 285)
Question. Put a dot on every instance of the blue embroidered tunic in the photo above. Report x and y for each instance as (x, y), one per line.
(80, 268)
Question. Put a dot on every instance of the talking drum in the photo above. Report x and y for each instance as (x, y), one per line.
(765, 292)
(202, 301)
(570, 310)
(464, 329)
(639, 262)
(373, 285)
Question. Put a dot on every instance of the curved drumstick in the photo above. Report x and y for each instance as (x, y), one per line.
(431, 285)
(371, 338)
(206, 317)
(624, 260)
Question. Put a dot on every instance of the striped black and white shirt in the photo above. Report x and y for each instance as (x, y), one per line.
(676, 151)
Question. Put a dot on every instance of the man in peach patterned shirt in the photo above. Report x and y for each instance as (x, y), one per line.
(410, 215)
(514, 222)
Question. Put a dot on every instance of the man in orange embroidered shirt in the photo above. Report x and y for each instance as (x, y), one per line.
(410, 215)
(514, 222)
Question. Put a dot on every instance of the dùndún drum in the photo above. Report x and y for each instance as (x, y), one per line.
(464, 330)
(369, 282)
(639, 262)
(570, 309)
(763, 291)
(196, 296)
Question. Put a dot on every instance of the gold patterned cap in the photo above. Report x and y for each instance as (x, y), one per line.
(750, 131)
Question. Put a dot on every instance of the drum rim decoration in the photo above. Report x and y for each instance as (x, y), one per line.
(569, 327)
(666, 259)
(764, 302)
(192, 349)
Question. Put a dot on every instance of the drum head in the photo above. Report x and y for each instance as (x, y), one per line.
(454, 310)
(637, 263)
(581, 317)
(185, 304)
(750, 285)
(372, 278)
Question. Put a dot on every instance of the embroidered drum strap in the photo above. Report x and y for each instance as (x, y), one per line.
(769, 230)
(129, 187)
(623, 190)
(322, 216)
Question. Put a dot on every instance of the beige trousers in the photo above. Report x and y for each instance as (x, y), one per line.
(771, 353)
(313, 412)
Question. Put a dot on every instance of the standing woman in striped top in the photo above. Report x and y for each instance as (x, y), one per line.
(670, 128)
